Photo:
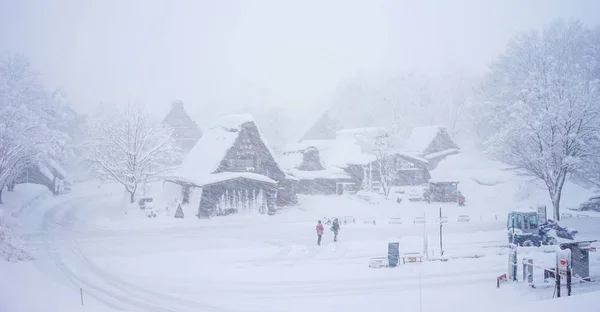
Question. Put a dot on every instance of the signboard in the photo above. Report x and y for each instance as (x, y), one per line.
(542, 216)
(563, 261)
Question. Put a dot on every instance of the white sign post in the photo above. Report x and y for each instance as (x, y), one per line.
(563, 265)
(564, 261)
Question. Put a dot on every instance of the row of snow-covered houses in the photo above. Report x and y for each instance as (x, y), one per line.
(231, 168)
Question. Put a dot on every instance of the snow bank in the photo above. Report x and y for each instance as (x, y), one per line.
(487, 183)
(581, 302)
(24, 289)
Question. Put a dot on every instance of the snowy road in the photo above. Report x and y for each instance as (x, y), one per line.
(257, 263)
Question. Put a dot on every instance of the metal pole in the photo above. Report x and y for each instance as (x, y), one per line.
(557, 284)
(569, 280)
(420, 294)
(441, 244)
(530, 270)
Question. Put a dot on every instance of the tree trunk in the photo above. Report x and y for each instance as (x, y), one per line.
(1, 196)
(132, 197)
(11, 186)
(556, 194)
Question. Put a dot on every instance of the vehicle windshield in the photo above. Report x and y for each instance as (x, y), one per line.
(530, 222)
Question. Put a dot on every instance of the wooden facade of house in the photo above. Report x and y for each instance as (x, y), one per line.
(250, 154)
(235, 170)
(407, 171)
(314, 178)
(410, 170)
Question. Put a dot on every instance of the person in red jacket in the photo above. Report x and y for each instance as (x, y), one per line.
(320, 231)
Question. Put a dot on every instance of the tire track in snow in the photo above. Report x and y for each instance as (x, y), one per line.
(125, 294)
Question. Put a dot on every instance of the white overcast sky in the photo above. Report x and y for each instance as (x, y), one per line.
(228, 54)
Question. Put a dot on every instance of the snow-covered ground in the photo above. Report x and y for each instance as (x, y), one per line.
(125, 261)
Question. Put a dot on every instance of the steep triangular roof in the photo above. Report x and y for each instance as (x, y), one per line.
(185, 130)
(324, 128)
(206, 156)
(427, 140)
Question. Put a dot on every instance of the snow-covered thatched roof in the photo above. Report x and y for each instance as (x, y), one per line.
(206, 156)
(422, 139)
(345, 151)
(444, 153)
(304, 145)
(227, 176)
(411, 157)
(341, 152)
(291, 160)
(328, 173)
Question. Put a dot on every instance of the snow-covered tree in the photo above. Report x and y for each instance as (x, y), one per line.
(28, 119)
(385, 147)
(130, 148)
(542, 97)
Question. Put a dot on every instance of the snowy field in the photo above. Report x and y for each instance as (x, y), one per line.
(87, 241)
(261, 263)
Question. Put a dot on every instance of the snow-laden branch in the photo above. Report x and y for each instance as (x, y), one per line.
(543, 103)
(130, 148)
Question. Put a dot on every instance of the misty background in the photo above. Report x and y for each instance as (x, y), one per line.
(285, 62)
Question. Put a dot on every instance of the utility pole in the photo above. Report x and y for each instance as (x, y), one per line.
(441, 236)
(420, 293)
(425, 243)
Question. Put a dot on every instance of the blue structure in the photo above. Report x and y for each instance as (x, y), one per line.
(393, 254)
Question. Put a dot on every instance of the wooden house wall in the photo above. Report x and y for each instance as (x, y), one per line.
(249, 146)
(408, 173)
(211, 195)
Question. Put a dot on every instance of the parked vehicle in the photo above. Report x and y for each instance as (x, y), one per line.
(524, 230)
(443, 192)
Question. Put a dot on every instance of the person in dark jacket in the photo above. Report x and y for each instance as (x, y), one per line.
(335, 227)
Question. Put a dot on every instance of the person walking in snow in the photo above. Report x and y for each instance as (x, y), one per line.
(461, 199)
(335, 227)
(320, 231)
